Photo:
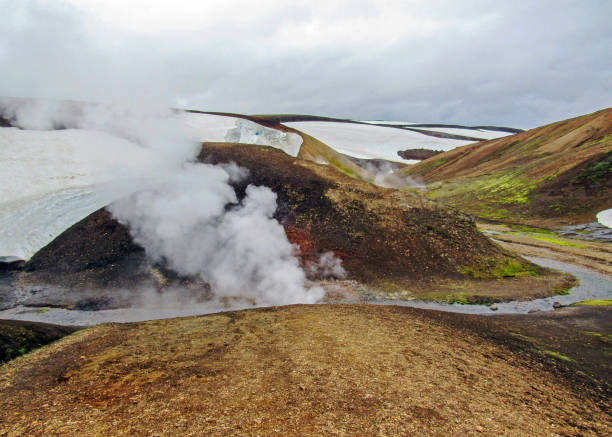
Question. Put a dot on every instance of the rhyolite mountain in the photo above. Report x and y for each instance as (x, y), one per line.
(553, 175)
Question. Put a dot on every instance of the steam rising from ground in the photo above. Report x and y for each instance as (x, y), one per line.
(240, 251)
(385, 176)
(185, 215)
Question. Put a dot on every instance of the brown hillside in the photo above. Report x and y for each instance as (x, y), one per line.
(555, 174)
(299, 370)
(386, 238)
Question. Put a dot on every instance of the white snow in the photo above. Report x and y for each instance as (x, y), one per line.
(372, 142)
(208, 127)
(52, 179)
(605, 217)
(476, 133)
(252, 133)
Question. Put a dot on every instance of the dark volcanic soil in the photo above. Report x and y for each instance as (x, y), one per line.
(97, 252)
(418, 153)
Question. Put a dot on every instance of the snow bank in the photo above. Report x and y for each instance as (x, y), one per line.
(605, 217)
(208, 127)
(476, 133)
(372, 142)
(52, 179)
(252, 133)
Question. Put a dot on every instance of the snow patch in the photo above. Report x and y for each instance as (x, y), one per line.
(248, 132)
(605, 217)
(476, 133)
(372, 142)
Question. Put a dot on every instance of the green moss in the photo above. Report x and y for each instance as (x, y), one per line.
(532, 230)
(597, 170)
(499, 269)
(459, 297)
(557, 241)
(496, 189)
(596, 303)
(557, 355)
(604, 338)
(561, 290)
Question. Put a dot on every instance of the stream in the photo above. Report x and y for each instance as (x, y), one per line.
(593, 285)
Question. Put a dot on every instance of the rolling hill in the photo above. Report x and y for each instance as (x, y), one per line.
(552, 175)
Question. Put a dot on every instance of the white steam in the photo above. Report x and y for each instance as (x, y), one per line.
(241, 251)
(184, 214)
(385, 175)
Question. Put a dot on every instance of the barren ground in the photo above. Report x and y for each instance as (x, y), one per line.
(308, 370)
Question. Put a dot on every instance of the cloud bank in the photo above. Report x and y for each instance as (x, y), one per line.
(517, 63)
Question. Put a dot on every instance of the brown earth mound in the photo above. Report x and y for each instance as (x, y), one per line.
(300, 370)
(552, 175)
(418, 153)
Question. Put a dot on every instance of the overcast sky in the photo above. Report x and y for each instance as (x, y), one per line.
(514, 63)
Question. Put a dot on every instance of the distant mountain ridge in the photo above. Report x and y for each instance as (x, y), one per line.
(556, 174)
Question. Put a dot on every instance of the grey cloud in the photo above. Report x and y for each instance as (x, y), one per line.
(513, 63)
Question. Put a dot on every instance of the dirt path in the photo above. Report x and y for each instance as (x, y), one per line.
(298, 370)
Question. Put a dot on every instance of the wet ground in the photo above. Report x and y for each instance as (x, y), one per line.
(152, 305)
(592, 285)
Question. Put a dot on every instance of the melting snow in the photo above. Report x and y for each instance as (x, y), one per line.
(605, 217)
(52, 179)
(252, 133)
(476, 133)
(372, 142)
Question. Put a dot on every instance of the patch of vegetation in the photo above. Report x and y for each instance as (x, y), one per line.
(499, 269)
(431, 164)
(561, 290)
(458, 298)
(537, 347)
(532, 229)
(597, 170)
(11, 354)
(558, 242)
(596, 303)
(493, 190)
(605, 338)
(557, 355)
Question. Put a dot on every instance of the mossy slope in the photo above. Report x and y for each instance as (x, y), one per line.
(555, 174)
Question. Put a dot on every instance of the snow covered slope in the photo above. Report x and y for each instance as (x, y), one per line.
(476, 133)
(372, 142)
(52, 179)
